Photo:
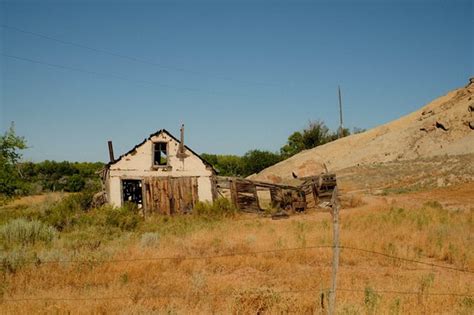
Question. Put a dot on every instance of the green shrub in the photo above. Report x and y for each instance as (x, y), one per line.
(126, 218)
(467, 305)
(11, 261)
(4, 199)
(395, 306)
(23, 232)
(58, 176)
(150, 239)
(75, 183)
(221, 207)
(371, 300)
(433, 204)
(426, 282)
(84, 199)
(66, 213)
(63, 214)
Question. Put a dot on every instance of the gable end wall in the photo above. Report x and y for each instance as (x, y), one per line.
(139, 165)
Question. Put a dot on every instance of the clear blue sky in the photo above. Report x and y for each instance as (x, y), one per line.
(240, 74)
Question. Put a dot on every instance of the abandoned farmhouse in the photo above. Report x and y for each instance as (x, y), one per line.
(162, 175)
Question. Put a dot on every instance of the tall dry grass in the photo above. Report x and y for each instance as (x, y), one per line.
(273, 282)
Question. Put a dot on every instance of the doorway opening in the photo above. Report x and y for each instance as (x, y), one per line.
(132, 192)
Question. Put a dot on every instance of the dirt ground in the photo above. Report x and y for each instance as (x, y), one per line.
(449, 181)
(438, 129)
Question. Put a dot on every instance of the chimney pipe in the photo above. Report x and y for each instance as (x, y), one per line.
(111, 152)
(181, 145)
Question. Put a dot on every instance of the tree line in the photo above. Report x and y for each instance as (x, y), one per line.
(24, 178)
(316, 133)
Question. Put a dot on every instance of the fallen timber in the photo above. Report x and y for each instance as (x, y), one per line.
(244, 193)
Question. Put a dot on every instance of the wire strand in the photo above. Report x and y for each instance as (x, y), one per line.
(142, 83)
(204, 257)
(234, 293)
(405, 259)
(131, 58)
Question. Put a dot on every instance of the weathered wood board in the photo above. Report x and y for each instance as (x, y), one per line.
(243, 192)
(170, 195)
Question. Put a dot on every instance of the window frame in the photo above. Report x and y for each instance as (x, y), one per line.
(153, 148)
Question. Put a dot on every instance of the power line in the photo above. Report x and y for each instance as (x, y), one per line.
(143, 83)
(130, 58)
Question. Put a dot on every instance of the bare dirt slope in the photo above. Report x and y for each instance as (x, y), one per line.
(442, 127)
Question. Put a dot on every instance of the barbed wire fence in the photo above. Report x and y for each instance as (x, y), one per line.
(40, 262)
(336, 247)
(230, 294)
(248, 253)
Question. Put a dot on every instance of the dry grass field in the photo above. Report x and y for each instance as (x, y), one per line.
(281, 281)
(100, 262)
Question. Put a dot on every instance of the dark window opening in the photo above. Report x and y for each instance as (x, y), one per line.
(132, 191)
(160, 156)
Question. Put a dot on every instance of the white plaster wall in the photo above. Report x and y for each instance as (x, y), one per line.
(140, 162)
(205, 189)
(115, 195)
(139, 165)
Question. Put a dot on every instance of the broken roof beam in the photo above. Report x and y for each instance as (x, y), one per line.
(255, 182)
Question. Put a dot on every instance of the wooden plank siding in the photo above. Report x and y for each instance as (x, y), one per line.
(170, 195)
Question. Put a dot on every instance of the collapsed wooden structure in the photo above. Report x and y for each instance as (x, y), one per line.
(254, 196)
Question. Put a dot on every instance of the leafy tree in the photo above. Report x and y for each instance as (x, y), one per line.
(68, 176)
(315, 134)
(357, 130)
(213, 159)
(75, 183)
(252, 162)
(231, 165)
(294, 145)
(255, 161)
(10, 145)
(226, 165)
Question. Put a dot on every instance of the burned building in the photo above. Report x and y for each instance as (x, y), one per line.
(160, 175)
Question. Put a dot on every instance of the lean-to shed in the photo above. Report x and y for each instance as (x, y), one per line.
(160, 175)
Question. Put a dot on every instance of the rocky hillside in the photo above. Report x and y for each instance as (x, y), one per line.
(443, 127)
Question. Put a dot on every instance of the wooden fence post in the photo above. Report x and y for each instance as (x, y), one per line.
(335, 250)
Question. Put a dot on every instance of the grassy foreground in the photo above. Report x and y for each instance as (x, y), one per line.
(57, 258)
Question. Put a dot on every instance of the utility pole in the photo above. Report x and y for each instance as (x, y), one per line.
(341, 127)
(335, 250)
